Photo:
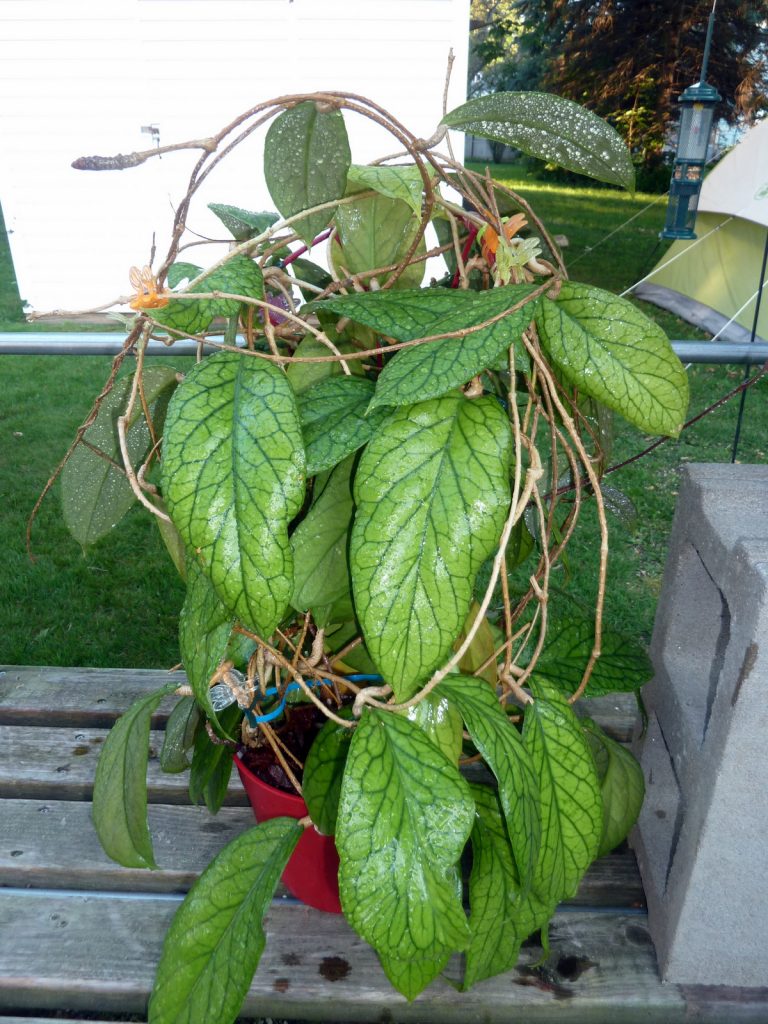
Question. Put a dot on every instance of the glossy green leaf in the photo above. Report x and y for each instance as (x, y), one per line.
(95, 493)
(436, 367)
(242, 224)
(550, 128)
(323, 774)
(178, 272)
(377, 232)
(303, 375)
(215, 941)
(432, 493)
(622, 786)
(571, 805)
(179, 736)
(239, 276)
(211, 766)
(510, 761)
(120, 786)
(441, 722)
(481, 649)
(502, 916)
(404, 817)
(306, 159)
(174, 543)
(404, 183)
(623, 665)
(410, 977)
(205, 625)
(321, 575)
(233, 479)
(611, 351)
(333, 420)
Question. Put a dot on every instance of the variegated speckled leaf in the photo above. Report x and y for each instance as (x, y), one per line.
(410, 977)
(233, 479)
(571, 805)
(510, 761)
(216, 938)
(306, 159)
(404, 183)
(432, 493)
(333, 420)
(426, 371)
(611, 351)
(404, 818)
(502, 916)
(550, 128)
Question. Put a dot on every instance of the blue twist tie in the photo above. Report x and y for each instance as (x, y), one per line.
(271, 691)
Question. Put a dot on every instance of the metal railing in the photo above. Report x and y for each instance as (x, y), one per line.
(109, 344)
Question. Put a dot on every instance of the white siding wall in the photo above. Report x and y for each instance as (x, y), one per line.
(79, 77)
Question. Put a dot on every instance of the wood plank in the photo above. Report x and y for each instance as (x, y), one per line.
(99, 953)
(95, 697)
(92, 697)
(59, 764)
(52, 844)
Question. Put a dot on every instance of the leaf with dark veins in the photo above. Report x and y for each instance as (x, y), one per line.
(233, 479)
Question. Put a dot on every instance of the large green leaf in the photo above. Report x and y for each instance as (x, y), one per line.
(611, 351)
(404, 183)
(179, 736)
(233, 479)
(95, 493)
(323, 774)
(622, 786)
(404, 817)
(550, 128)
(410, 977)
(211, 766)
(622, 666)
(377, 232)
(239, 276)
(441, 722)
(510, 761)
(303, 375)
(205, 625)
(426, 371)
(333, 420)
(242, 224)
(120, 786)
(502, 916)
(571, 805)
(432, 493)
(306, 159)
(216, 938)
(319, 543)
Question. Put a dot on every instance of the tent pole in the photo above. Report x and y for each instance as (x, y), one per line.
(743, 396)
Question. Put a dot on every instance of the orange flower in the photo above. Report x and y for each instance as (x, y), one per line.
(490, 240)
(147, 295)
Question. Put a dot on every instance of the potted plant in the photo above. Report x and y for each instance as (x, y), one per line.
(371, 500)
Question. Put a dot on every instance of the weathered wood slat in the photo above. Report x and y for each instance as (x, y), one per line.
(52, 844)
(98, 953)
(92, 697)
(95, 697)
(59, 764)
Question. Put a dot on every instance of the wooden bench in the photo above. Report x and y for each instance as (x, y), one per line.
(80, 934)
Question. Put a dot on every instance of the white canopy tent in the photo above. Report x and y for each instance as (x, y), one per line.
(714, 279)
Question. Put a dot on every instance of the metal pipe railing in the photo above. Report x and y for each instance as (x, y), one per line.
(99, 343)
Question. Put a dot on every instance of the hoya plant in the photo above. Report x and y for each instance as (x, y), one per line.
(369, 479)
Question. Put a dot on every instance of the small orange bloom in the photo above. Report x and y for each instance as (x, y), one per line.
(490, 242)
(147, 295)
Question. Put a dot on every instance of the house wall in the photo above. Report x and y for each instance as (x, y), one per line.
(82, 77)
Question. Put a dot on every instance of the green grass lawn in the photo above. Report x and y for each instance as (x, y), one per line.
(117, 604)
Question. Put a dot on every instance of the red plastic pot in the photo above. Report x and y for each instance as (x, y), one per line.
(312, 873)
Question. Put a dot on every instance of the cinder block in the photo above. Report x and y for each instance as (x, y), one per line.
(702, 836)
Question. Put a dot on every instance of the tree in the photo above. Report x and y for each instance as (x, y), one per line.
(629, 60)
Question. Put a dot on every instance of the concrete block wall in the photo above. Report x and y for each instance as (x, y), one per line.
(702, 836)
